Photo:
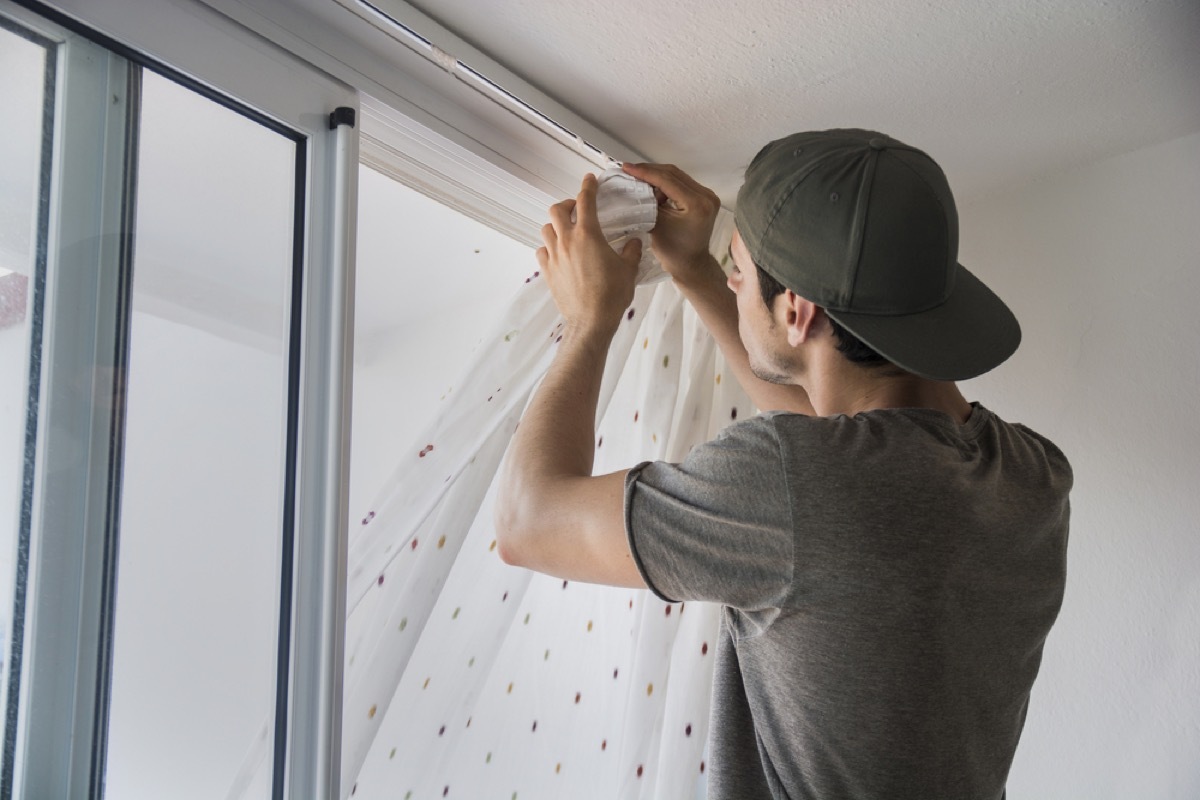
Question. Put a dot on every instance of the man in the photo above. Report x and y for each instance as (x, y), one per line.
(889, 556)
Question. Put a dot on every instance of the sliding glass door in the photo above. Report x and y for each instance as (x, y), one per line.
(204, 478)
(27, 74)
(172, 275)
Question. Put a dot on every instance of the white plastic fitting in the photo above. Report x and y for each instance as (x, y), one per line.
(627, 209)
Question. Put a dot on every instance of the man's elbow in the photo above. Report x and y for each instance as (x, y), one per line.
(508, 536)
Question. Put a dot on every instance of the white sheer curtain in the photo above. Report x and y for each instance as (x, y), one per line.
(469, 678)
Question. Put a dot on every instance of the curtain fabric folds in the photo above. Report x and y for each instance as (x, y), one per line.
(469, 678)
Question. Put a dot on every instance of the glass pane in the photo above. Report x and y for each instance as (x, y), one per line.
(201, 512)
(22, 90)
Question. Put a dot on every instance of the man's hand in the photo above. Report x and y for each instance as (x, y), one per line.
(552, 514)
(592, 285)
(687, 212)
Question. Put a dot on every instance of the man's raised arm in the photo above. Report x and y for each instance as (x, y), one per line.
(687, 212)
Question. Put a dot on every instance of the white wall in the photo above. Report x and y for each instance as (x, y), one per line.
(400, 377)
(1102, 266)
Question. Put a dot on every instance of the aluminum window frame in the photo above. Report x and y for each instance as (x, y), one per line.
(59, 751)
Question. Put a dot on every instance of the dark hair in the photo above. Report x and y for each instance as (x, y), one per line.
(848, 344)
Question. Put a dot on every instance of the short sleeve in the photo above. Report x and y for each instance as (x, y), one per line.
(717, 527)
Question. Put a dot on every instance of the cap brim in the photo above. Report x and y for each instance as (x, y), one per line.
(969, 334)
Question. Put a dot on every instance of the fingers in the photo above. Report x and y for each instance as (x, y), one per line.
(673, 182)
(632, 251)
(560, 216)
(579, 211)
(585, 205)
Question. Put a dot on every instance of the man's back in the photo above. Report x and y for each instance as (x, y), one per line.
(887, 596)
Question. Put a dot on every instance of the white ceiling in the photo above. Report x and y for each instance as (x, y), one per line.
(998, 92)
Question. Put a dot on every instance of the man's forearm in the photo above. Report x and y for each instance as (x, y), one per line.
(717, 309)
(555, 438)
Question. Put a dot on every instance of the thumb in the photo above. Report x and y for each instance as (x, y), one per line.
(632, 251)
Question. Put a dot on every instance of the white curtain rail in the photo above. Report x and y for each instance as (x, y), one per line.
(483, 84)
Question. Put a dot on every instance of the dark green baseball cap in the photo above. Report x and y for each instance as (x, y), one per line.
(865, 226)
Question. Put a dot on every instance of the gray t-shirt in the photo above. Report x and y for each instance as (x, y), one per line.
(888, 581)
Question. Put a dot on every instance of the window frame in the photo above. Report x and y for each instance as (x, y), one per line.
(59, 748)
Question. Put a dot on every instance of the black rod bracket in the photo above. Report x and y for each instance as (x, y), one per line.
(343, 115)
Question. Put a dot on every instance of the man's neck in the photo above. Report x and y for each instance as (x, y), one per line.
(837, 386)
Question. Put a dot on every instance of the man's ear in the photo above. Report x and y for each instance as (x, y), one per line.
(800, 318)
